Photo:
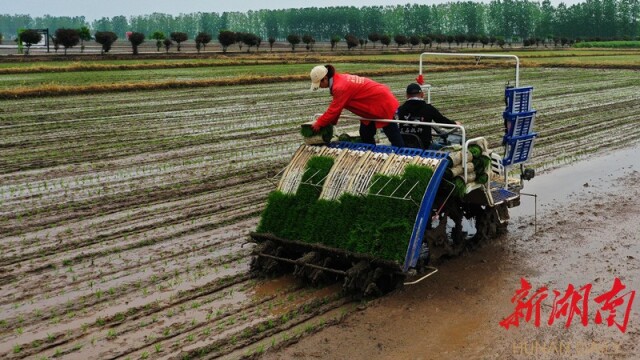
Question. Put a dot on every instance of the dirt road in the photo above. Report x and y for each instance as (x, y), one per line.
(587, 234)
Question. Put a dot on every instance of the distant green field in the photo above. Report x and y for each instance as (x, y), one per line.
(621, 61)
(586, 55)
(609, 44)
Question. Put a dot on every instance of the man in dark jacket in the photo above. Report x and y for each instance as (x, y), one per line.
(416, 109)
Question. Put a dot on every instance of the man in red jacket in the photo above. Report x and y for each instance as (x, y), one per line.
(363, 97)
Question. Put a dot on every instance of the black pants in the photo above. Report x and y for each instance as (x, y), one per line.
(368, 132)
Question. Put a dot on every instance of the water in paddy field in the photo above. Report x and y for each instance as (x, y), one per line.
(592, 175)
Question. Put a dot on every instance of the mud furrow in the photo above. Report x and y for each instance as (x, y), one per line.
(76, 245)
(148, 309)
(110, 204)
(60, 195)
(216, 348)
(113, 271)
(116, 250)
(128, 222)
(117, 295)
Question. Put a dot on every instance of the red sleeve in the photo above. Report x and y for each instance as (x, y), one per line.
(340, 99)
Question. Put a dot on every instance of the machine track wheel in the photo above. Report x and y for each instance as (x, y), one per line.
(319, 277)
(443, 241)
(263, 266)
(488, 224)
(362, 279)
(313, 275)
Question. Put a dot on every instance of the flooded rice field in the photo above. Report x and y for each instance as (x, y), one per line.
(124, 221)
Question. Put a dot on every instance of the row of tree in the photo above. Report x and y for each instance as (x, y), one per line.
(227, 38)
(202, 39)
(69, 38)
(523, 19)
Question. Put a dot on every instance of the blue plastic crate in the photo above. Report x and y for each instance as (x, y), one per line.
(409, 151)
(519, 124)
(361, 146)
(351, 145)
(433, 154)
(385, 149)
(340, 144)
(518, 149)
(518, 99)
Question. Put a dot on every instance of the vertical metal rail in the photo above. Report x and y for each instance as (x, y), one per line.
(535, 210)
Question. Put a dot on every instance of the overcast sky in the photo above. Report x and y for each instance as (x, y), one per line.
(92, 10)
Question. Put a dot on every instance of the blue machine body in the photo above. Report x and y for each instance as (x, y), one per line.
(424, 213)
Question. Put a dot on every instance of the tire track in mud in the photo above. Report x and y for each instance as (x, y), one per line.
(153, 265)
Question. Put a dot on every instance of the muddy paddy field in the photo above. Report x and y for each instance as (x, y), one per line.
(124, 220)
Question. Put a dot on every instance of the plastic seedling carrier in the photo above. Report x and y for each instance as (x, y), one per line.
(518, 149)
(519, 124)
(518, 99)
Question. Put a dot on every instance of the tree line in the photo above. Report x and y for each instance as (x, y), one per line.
(512, 20)
(69, 38)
